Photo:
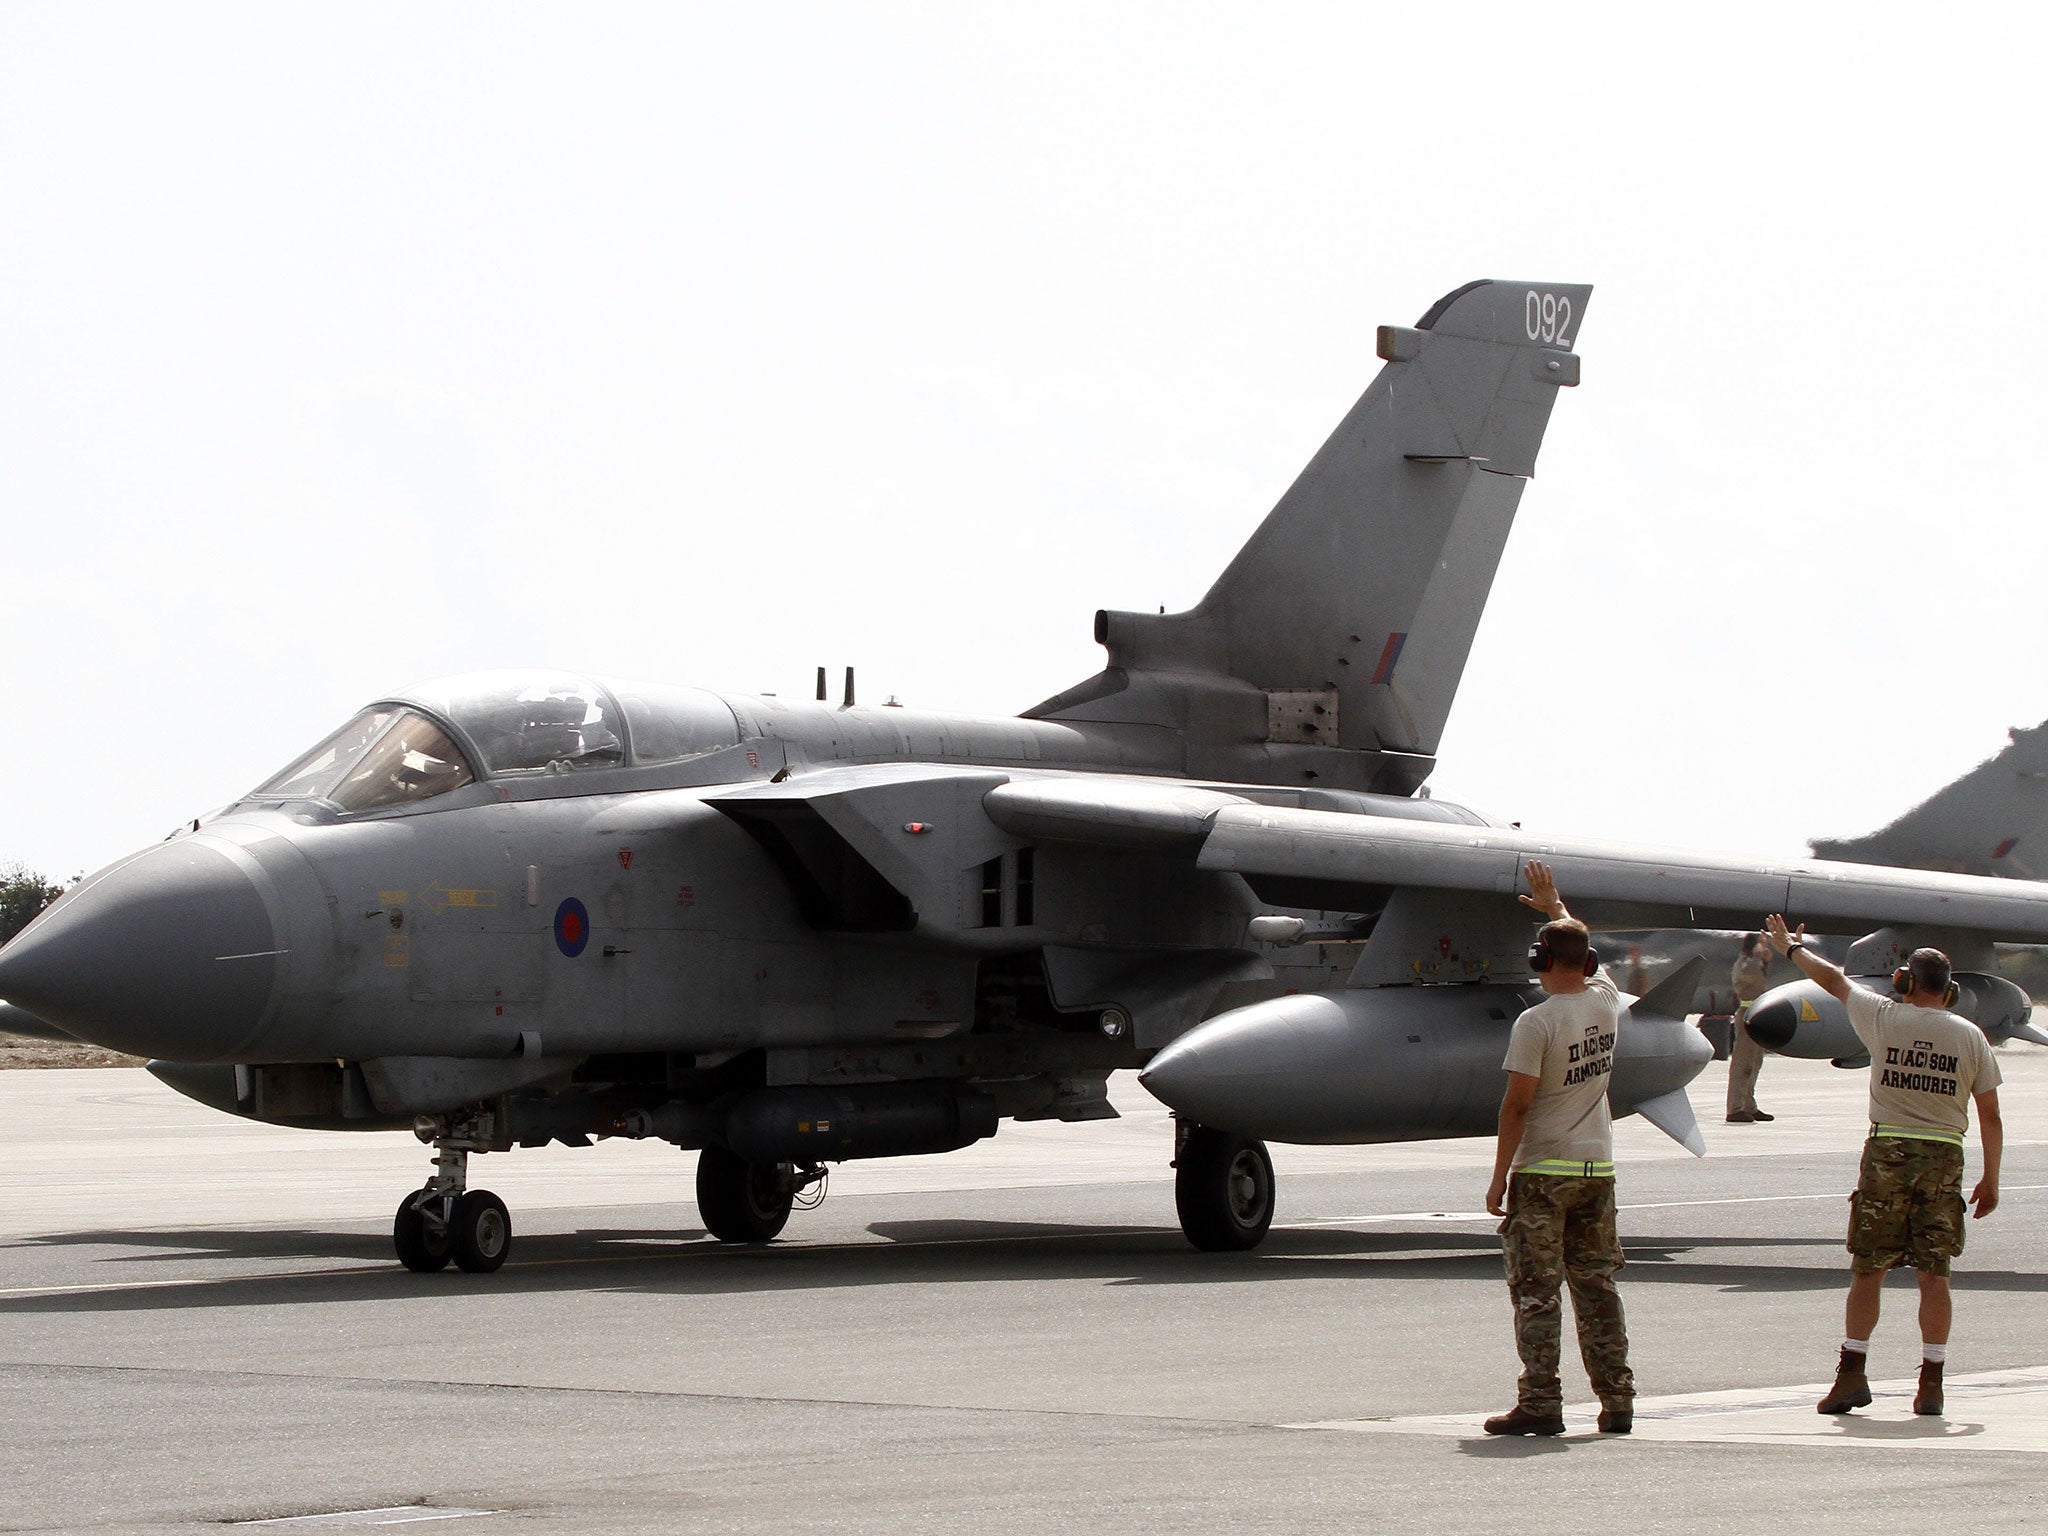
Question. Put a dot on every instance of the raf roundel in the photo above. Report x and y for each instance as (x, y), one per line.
(572, 927)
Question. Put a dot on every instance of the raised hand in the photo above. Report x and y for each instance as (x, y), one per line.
(1542, 890)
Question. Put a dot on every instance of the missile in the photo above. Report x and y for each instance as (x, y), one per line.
(16, 1021)
(1802, 1019)
(1372, 1064)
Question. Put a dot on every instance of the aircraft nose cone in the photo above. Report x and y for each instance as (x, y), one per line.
(1772, 1024)
(170, 954)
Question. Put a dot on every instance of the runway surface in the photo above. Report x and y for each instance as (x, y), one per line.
(201, 1324)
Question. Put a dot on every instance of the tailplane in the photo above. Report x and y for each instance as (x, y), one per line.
(1330, 649)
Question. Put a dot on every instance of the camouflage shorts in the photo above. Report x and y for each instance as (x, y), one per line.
(1908, 1206)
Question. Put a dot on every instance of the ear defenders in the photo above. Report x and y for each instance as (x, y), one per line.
(1541, 959)
(1902, 983)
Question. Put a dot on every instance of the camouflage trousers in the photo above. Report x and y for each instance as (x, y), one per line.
(1560, 1230)
(1908, 1206)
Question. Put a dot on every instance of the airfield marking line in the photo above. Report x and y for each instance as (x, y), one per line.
(1667, 1205)
(1648, 1205)
(2003, 1410)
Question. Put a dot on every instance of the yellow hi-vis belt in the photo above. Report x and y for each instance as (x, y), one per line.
(1917, 1133)
(1557, 1167)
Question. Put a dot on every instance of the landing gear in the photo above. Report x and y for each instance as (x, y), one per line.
(445, 1220)
(743, 1202)
(1222, 1187)
(481, 1232)
(422, 1244)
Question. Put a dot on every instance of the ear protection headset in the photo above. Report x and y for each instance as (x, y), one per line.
(1902, 983)
(1541, 959)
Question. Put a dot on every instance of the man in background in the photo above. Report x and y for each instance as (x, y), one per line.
(1750, 978)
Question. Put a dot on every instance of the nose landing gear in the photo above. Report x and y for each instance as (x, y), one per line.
(1222, 1188)
(446, 1220)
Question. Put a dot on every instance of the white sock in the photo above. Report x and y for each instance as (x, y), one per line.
(1934, 1354)
(1861, 1346)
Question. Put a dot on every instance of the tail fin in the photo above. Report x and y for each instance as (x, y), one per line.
(1330, 649)
(1991, 821)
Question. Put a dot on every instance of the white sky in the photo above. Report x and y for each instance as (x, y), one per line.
(346, 346)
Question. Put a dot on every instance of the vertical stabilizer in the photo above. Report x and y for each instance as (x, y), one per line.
(1332, 646)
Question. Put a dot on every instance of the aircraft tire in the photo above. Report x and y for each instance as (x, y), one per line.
(742, 1202)
(480, 1233)
(420, 1249)
(1223, 1189)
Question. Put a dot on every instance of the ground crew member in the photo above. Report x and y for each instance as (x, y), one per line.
(1751, 979)
(1557, 1140)
(1926, 1065)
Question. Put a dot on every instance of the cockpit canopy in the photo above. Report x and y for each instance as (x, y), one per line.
(442, 735)
(385, 756)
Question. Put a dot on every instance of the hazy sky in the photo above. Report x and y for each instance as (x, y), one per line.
(342, 347)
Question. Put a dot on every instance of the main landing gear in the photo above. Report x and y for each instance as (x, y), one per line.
(745, 1202)
(445, 1219)
(1222, 1187)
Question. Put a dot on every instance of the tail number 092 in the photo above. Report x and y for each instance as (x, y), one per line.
(1548, 317)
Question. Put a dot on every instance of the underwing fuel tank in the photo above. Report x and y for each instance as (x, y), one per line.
(1802, 1019)
(1394, 1064)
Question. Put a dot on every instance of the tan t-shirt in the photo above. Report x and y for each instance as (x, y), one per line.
(1925, 1063)
(1567, 1044)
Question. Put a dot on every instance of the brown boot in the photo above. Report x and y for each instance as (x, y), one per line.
(1927, 1401)
(1852, 1384)
(1520, 1421)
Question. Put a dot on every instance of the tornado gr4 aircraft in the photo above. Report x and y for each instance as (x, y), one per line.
(518, 908)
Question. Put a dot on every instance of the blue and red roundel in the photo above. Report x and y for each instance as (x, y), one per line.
(572, 927)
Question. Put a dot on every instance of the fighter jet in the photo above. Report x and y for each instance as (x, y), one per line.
(1982, 823)
(525, 907)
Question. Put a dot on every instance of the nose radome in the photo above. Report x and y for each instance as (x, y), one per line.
(171, 954)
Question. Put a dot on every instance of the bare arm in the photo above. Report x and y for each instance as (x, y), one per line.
(1543, 891)
(1832, 978)
(1514, 1119)
(1992, 1130)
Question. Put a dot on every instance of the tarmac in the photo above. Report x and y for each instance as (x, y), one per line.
(202, 1328)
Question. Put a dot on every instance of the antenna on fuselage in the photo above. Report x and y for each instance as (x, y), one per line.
(821, 685)
(848, 703)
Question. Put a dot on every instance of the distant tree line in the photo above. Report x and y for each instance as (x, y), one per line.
(23, 893)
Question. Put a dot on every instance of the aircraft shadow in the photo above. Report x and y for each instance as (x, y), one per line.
(681, 1263)
(187, 1244)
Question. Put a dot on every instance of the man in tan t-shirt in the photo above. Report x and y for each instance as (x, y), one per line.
(1553, 1177)
(1750, 976)
(1926, 1066)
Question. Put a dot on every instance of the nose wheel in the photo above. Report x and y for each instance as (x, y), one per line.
(1222, 1188)
(446, 1221)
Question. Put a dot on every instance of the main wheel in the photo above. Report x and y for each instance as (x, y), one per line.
(480, 1232)
(422, 1245)
(1223, 1189)
(743, 1202)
